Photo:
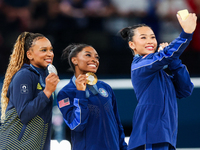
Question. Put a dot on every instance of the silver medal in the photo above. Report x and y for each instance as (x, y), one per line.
(52, 69)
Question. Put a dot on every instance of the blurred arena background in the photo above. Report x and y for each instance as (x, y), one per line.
(98, 22)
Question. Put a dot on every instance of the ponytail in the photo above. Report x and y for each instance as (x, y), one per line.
(17, 59)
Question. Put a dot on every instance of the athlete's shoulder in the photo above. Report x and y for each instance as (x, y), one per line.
(68, 88)
(102, 84)
(24, 73)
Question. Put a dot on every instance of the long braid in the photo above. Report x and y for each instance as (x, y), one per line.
(16, 62)
(17, 59)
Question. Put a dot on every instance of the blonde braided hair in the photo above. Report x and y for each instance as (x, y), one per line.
(17, 59)
(16, 62)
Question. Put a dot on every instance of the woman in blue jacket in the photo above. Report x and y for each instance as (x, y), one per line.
(90, 111)
(155, 118)
(26, 100)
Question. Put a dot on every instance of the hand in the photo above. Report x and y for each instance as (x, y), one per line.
(51, 83)
(81, 82)
(162, 46)
(189, 24)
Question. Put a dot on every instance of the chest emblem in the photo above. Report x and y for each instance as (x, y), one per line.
(39, 86)
(103, 92)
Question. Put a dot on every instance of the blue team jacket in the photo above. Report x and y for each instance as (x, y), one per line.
(92, 116)
(28, 114)
(155, 118)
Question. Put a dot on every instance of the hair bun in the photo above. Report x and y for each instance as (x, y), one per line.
(125, 33)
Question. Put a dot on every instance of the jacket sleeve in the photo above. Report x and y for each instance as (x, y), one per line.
(156, 61)
(76, 112)
(181, 79)
(122, 143)
(27, 106)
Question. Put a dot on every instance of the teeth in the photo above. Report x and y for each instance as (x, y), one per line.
(48, 60)
(150, 48)
(92, 65)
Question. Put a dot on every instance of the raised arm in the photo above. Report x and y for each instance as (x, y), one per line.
(189, 24)
(181, 79)
(27, 104)
(156, 61)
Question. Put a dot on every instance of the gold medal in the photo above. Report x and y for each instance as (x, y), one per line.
(91, 78)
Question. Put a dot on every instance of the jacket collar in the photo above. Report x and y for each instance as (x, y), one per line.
(42, 73)
(92, 88)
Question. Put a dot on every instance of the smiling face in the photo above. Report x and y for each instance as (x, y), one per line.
(86, 60)
(144, 41)
(41, 53)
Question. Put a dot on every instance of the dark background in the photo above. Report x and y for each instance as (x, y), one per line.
(98, 22)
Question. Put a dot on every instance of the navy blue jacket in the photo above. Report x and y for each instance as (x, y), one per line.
(92, 116)
(28, 114)
(155, 118)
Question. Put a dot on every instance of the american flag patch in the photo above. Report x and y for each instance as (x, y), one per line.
(64, 102)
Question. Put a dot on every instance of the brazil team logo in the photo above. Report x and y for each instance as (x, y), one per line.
(103, 92)
(39, 86)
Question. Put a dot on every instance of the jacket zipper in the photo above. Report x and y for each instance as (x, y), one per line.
(103, 115)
